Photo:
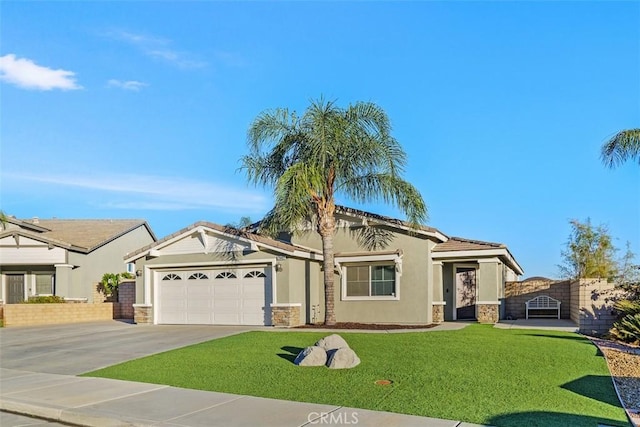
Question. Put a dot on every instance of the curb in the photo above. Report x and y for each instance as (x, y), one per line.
(63, 415)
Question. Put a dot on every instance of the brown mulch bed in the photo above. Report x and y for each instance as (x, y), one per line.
(624, 364)
(365, 326)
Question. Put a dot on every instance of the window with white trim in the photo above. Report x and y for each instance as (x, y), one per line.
(44, 283)
(131, 268)
(373, 280)
(171, 276)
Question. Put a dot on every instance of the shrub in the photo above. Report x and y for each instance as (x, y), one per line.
(627, 329)
(110, 282)
(50, 299)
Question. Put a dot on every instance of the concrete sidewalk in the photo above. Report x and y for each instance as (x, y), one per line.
(541, 324)
(106, 403)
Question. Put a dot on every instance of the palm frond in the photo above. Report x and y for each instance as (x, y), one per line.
(625, 145)
(390, 189)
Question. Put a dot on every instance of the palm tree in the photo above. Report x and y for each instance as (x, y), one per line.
(623, 146)
(308, 159)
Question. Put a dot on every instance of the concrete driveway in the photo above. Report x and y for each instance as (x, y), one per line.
(83, 347)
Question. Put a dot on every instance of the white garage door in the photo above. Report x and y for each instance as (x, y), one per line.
(214, 297)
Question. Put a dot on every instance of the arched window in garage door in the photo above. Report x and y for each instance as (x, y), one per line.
(198, 276)
(254, 274)
(226, 275)
(171, 276)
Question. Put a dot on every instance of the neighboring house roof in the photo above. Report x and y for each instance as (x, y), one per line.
(26, 224)
(37, 236)
(539, 279)
(82, 235)
(229, 231)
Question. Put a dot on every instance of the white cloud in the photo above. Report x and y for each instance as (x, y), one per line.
(133, 85)
(151, 192)
(158, 48)
(27, 74)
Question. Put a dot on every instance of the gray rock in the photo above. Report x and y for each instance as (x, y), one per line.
(343, 358)
(311, 356)
(332, 342)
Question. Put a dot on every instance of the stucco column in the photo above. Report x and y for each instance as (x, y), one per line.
(438, 293)
(63, 279)
(438, 287)
(488, 283)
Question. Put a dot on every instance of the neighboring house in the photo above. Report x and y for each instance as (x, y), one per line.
(210, 274)
(64, 257)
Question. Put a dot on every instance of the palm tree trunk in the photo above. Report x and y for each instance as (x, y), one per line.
(326, 228)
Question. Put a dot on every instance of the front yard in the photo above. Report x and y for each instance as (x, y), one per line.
(478, 374)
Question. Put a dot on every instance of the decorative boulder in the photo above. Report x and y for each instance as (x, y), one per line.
(343, 358)
(332, 342)
(311, 356)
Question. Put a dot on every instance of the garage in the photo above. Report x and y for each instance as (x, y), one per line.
(230, 296)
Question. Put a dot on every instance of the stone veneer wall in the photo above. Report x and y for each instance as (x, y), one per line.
(516, 294)
(142, 314)
(285, 315)
(49, 314)
(438, 313)
(592, 305)
(488, 313)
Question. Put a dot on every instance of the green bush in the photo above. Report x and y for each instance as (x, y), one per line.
(627, 329)
(51, 299)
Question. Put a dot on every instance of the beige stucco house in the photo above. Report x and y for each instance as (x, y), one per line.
(211, 274)
(64, 257)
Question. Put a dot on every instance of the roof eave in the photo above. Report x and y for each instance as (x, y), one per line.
(503, 253)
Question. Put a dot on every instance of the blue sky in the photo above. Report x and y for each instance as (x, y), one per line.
(140, 109)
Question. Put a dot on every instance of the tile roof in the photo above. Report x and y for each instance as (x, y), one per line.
(87, 234)
(227, 230)
(383, 218)
(460, 244)
(394, 222)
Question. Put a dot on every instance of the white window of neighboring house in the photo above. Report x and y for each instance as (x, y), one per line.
(372, 281)
(131, 268)
(44, 283)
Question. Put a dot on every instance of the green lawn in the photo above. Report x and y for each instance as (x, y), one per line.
(478, 374)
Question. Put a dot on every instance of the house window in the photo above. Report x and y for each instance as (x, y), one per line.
(44, 284)
(131, 268)
(371, 281)
(171, 276)
(198, 276)
(226, 275)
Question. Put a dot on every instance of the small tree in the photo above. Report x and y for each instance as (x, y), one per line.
(589, 252)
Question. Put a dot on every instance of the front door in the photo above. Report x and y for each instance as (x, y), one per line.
(15, 288)
(465, 293)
